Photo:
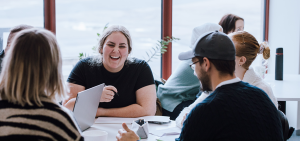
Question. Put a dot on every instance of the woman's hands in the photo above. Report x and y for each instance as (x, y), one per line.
(108, 93)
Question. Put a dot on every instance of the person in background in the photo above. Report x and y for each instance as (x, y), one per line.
(247, 48)
(232, 111)
(12, 33)
(130, 90)
(231, 23)
(181, 88)
(30, 86)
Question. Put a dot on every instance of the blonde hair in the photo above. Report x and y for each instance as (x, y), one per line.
(32, 69)
(246, 45)
(97, 60)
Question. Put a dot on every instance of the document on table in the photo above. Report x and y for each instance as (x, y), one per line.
(110, 120)
(166, 132)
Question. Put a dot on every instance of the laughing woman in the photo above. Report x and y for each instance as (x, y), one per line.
(130, 90)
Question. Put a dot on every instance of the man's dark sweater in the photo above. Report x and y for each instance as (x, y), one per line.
(233, 112)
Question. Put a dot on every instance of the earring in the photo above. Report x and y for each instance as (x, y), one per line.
(240, 64)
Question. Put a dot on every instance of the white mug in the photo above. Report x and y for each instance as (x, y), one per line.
(95, 135)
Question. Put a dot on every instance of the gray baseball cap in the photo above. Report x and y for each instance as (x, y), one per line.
(213, 45)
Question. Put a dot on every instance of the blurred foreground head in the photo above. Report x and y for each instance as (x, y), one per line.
(32, 68)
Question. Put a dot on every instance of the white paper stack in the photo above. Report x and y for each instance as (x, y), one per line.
(166, 132)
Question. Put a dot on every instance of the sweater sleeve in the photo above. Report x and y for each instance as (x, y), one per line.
(198, 124)
(188, 109)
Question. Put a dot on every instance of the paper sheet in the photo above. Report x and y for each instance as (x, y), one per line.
(111, 120)
(166, 132)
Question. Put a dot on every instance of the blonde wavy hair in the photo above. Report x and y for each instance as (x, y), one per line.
(32, 69)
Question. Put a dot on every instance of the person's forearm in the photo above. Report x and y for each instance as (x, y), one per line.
(70, 104)
(134, 110)
(66, 100)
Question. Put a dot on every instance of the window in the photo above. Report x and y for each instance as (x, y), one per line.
(79, 21)
(16, 12)
(192, 13)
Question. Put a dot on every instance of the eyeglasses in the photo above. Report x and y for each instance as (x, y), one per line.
(193, 65)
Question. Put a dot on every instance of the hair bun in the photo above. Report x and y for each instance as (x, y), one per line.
(264, 49)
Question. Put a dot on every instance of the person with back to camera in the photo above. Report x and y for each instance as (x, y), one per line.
(12, 33)
(231, 23)
(130, 90)
(247, 49)
(181, 88)
(230, 112)
(30, 85)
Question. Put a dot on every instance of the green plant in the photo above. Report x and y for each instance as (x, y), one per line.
(81, 55)
(160, 48)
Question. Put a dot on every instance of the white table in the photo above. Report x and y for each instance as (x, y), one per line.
(112, 130)
(287, 89)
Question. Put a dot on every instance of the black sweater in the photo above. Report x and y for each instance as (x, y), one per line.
(235, 112)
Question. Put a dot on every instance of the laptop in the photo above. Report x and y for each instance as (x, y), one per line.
(86, 106)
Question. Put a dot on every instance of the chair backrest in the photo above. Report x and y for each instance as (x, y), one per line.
(285, 125)
(158, 104)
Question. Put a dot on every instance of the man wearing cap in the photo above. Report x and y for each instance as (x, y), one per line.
(235, 110)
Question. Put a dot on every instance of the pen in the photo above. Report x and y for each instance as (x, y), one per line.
(116, 93)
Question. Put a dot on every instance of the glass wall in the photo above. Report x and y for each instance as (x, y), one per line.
(79, 21)
(188, 14)
(16, 12)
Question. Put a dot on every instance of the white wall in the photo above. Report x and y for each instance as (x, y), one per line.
(284, 31)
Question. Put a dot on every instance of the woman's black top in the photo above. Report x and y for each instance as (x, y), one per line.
(134, 75)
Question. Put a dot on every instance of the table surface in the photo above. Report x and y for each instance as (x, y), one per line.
(112, 130)
(287, 89)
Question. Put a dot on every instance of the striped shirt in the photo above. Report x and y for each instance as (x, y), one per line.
(49, 122)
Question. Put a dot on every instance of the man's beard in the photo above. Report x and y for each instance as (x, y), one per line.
(205, 82)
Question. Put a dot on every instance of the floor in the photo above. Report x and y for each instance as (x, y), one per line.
(294, 137)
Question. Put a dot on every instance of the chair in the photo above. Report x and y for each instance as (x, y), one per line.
(158, 104)
(286, 130)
